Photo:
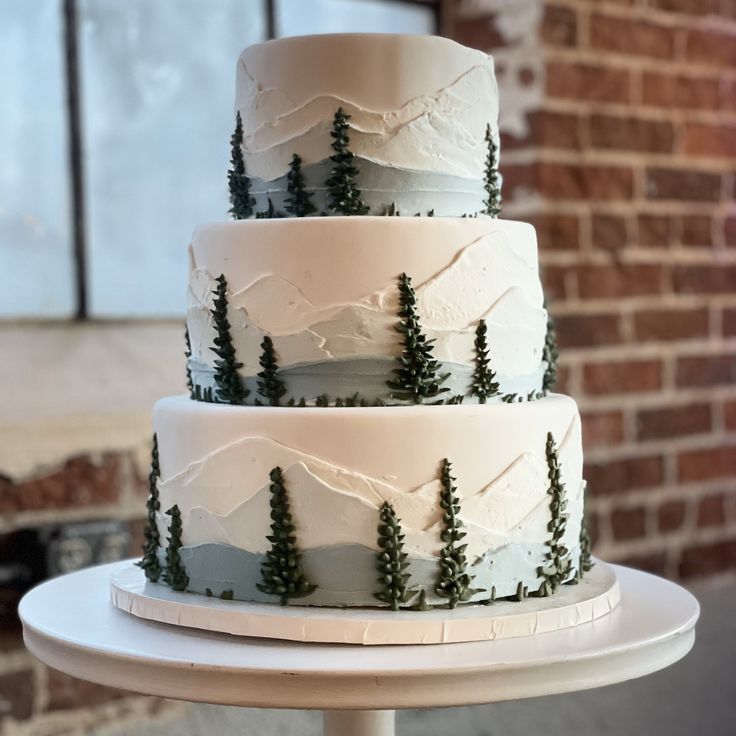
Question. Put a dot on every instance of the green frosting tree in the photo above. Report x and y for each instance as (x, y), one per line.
(151, 538)
(483, 384)
(270, 213)
(454, 583)
(416, 378)
(556, 566)
(241, 203)
(391, 560)
(270, 386)
(298, 202)
(281, 570)
(175, 575)
(343, 195)
(230, 389)
(550, 355)
(585, 563)
(492, 180)
(187, 355)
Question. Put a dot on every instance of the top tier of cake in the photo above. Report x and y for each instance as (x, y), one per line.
(421, 110)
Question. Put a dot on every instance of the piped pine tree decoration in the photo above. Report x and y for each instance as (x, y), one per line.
(585, 563)
(230, 390)
(270, 386)
(556, 567)
(187, 355)
(416, 378)
(483, 385)
(391, 560)
(152, 539)
(343, 196)
(298, 202)
(550, 354)
(492, 180)
(281, 571)
(454, 583)
(238, 183)
(175, 575)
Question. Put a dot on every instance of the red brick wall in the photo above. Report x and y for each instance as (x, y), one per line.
(626, 167)
(33, 698)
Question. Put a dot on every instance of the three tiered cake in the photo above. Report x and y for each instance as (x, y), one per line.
(370, 361)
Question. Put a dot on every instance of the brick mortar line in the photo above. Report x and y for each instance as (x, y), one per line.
(623, 158)
(609, 59)
(631, 409)
(632, 255)
(49, 516)
(672, 396)
(650, 350)
(640, 110)
(670, 207)
(664, 447)
(667, 19)
(657, 301)
(675, 541)
(653, 402)
(692, 492)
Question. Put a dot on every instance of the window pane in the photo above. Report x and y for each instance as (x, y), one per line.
(35, 241)
(158, 81)
(296, 17)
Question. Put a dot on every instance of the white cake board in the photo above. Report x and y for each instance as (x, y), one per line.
(70, 624)
(595, 596)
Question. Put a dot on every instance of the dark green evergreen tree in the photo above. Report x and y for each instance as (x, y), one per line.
(187, 355)
(483, 385)
(298, 202)
(230, 389)
(416, 378)
(150, 563)
(281, 571)
(454, 583)
(585, 563)
(343, 195)
(270, 386)
(270, 213)
(557, 564)
(391, 560)
(492, 180)
(550, 355)
(238, 183)
(175, 575)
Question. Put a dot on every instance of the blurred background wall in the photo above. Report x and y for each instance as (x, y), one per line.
(619, 144)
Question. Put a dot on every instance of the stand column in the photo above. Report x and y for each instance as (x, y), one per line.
(359, 722)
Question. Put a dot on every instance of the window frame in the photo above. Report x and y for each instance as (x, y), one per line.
(75, 144)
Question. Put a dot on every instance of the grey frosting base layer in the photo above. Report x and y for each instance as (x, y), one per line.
(410, 192)
(346, 575)
(367, 377)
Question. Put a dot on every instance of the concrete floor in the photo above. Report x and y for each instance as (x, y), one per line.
(696, 696)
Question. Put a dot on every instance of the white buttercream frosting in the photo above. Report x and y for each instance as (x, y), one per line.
(325, 290)
(340, 465)
(417, 103)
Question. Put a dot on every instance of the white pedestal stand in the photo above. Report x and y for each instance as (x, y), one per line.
(70, 624)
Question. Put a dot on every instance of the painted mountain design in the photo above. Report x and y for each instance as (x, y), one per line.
(312, 333)
(386, 137)
(334, 505)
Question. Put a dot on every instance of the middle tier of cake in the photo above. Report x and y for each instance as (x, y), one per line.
(513, 473)
(318, 300)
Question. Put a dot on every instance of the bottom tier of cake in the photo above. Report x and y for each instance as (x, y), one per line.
(387, 506)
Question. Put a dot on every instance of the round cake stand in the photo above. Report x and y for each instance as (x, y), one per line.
(70, 624)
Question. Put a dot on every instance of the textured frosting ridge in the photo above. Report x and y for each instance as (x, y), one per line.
(340, 465)
(419, 109)
(325, 291)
